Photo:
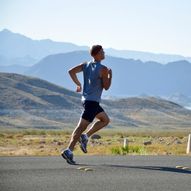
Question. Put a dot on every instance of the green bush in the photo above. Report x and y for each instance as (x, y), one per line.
(125, 150)
(128, 150)
(116, 150)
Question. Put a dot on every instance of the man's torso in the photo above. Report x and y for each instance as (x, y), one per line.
(92, 88)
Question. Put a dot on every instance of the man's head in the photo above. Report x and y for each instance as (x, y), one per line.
(97, 52)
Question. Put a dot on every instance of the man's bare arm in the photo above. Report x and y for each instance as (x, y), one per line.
(106, 75)
(73, 72)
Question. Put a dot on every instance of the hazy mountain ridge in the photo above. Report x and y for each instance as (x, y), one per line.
(130, 77)
(133, 78)
(181, 99)
(27, 102)
(17, 49)
(19, 69)
(146, 56)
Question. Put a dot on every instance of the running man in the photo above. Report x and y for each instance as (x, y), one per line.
(96, 78)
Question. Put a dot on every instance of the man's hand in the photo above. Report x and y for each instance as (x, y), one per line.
(109, 73)
(79, 88)
(106, 72)
(106, 75)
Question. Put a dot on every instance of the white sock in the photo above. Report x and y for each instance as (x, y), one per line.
(86, 136)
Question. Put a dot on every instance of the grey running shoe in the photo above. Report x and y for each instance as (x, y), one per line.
(68, 157)
(83, 143)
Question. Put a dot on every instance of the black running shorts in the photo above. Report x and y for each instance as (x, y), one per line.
(91, 109)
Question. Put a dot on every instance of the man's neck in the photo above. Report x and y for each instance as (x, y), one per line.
(95, 61)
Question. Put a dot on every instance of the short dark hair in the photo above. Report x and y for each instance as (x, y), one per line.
(95, 49)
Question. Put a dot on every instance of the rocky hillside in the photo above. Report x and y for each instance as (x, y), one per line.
(21, 92)
(27, 102)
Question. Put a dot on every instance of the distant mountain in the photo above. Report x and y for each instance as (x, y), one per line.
(19, 61)
(180, 99)
(54, 68)
(17, 49)
(130, 77)
(146, 56)
(27, 102)
(19, 69)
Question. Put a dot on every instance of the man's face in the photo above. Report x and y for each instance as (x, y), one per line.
(101, 54)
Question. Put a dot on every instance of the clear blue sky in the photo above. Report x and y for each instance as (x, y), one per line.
(161, 26)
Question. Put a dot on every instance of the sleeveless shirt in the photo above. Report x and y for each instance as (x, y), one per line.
(92, 88)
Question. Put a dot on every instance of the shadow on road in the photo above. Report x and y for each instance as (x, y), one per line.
(160, 168)
(156, 168)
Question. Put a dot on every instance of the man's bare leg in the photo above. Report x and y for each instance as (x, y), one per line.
(103, 121)
(81, 127)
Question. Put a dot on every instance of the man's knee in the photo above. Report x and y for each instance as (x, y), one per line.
(106, 120)
(103, 117)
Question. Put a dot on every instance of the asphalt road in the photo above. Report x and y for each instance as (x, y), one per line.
(107, 173)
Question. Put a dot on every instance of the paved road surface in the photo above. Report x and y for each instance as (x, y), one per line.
(132, 173)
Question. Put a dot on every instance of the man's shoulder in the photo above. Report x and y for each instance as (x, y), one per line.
(87, 62)
(103, 67)
(83, 64)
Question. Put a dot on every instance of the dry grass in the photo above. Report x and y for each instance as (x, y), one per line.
(50, 143)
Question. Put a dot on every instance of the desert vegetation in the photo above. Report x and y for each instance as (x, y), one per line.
(109, 142)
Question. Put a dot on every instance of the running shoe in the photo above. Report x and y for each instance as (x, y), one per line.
(83, 143)
(68, 156)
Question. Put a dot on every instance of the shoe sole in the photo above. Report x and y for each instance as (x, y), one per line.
(67, 160)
